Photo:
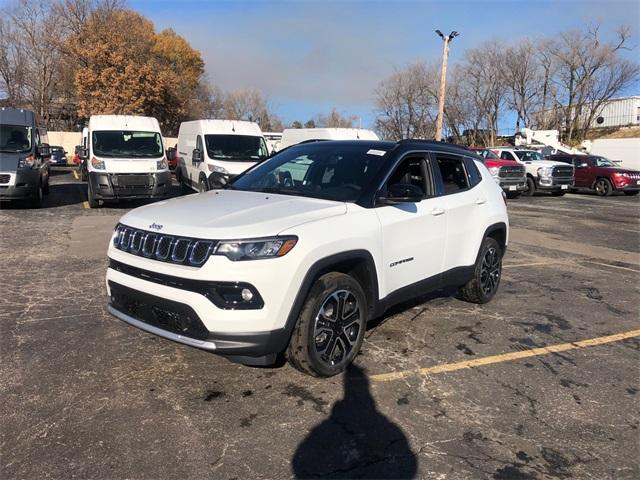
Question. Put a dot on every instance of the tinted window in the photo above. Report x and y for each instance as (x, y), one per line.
(319, 170)
(473, 174)
(411, 171)
(506, 155)
(15, 138)
(236, 147)
(454, 176)
(529, 156)
(127, 144)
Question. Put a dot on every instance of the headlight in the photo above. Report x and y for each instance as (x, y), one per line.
(256, 249)
(217, 169)
(97, 164)
(544, 171)
(162, 164)
(623, 174)
(494, 171)
(27, 162)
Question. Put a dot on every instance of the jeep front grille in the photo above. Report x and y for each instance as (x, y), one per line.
(165, 248)
(562, 171)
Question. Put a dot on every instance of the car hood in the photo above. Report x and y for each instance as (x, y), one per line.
(499, 162)
(9, 161)
(231, 214)
(618, 170)
(546, 163)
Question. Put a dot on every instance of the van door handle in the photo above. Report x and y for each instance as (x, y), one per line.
(437, 211)
(481, 201)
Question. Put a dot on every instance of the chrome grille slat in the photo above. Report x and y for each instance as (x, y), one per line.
(562, 171)
(511, 171)
(164, 248)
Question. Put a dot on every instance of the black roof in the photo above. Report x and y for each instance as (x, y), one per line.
(16, 116)
(402, 145)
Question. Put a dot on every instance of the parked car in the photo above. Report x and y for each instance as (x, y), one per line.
(76, 155)
(211, 152)
(293, 136)
(302, 250)
(509, 174)
(601, 175)
(542, 174)
(172, 157)
(24, 157)
(58, 156)
(124, 159)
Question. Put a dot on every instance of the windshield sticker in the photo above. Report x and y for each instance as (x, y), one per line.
(380, 153)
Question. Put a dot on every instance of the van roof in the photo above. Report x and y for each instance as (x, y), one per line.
(124, 122)
(17, 116)
(229, 127)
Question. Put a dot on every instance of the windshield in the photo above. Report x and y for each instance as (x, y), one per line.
(604, 162)
(240, 148)
(15, 138)
(487, 154)
(317, 170)
(529, 156)
(127, 144)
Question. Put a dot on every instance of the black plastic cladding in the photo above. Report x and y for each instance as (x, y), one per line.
(164, 248)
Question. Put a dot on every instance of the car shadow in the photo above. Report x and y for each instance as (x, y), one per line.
(356, 441)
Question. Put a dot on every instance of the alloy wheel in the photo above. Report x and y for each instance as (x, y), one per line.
(336, 328)
(490, 271)
(602, 188)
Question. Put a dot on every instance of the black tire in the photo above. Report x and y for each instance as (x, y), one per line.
(486, 274)
(513, 195)
(632, 193)
(36, 199)
(603, 187)
(91, 199)
(83, 173)
(45, 187)
(531, 188)
(203, 185)
(557, 194)
(313, 330)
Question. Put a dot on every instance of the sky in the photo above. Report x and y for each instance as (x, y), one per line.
(307, 57)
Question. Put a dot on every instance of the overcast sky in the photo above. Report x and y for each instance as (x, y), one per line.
(308, 56)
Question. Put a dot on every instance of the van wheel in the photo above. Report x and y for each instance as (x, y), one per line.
(36, 200)
(91, 199)
(486, 276)
(330, 329)
(603, 187)
(203, 185)
(46, 189)
(531, 187)
(83, 173)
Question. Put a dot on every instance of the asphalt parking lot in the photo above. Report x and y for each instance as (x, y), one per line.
(443, 389)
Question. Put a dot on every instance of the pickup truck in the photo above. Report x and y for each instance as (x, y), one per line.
(509, 174)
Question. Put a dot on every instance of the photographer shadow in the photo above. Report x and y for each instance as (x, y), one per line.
(356, 441)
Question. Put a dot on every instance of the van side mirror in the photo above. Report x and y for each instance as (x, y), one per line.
(83, 153)
(401, 193)
(217, 180)
(171, 154)
(44, 150)
(196, 156)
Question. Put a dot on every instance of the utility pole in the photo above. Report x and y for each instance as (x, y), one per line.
(443, 81)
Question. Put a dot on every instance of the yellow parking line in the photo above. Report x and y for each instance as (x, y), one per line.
(505, 357)
(613, 266)
(85, 204)
(75, 174)
(506, 265)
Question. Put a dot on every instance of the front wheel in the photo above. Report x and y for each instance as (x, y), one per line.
(91, 199)
(330, 329)
(486, 275)
(531, 187)
(603, 187)
(38, 194)
(203, 185)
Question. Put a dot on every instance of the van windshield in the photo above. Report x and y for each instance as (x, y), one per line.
(127, 144)
(529, 156)
(239, 148)
(15, 138)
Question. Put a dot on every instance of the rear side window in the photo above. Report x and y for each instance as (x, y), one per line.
(506, 156)
(453, 173)
(473, 174)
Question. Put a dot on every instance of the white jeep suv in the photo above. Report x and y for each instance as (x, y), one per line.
(298, 253)
(542, 174)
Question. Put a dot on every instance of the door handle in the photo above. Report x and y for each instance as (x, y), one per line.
(437, 211)
(481, 201)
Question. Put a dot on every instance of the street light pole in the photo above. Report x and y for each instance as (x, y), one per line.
(443, 81)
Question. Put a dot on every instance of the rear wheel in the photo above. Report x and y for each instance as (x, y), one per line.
(603, 187)
(631, 193)
(486, 276)
(531, 187)
(91, 199)
(330, 329)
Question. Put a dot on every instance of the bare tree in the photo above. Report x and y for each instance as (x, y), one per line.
(12, 65)
(334, 119)
(251, 105)
(523, 75)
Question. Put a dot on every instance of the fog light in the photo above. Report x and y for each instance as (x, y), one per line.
(247, 295)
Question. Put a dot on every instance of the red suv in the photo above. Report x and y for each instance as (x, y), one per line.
(510, 175)
(601, 174)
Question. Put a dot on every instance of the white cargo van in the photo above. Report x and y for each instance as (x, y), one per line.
(273, 140)
(125, 159)
(214, 151)
(293, 136)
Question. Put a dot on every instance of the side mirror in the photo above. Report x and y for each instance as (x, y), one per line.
(44, 151)
(83, 153)
(217, 180)
(171, 154)
(582, 165)
(196, 156)
(401, 193)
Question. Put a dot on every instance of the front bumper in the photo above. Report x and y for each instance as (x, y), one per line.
(179, 322)
(555, 184)
(114, 186)
(513, 185)
(21, 185)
